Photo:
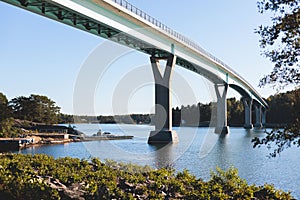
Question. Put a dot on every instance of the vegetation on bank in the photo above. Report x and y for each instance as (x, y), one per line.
(43, 177)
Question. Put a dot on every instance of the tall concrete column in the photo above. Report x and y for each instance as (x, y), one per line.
(221, 125)
(263, 116)
(163, 104)
(257, 116)
(248, 112)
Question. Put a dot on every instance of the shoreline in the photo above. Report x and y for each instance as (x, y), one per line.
(14, 144)
(46, 138)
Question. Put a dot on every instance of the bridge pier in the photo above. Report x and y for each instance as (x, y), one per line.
(258, 109)
(221, 121)
(163, 105)
(248, 112)
(263, 116)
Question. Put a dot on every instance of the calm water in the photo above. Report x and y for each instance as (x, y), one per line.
(199, 150)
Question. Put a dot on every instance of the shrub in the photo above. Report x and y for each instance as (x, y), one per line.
(43, 177)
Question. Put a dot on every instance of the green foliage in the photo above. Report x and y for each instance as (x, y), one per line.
(200, 114)
(19, 180)
(43, 177)
(35, 108)
(5, 112)
(7, 128)
(235, 111)
(121, 119)
(283, 108)
(227, 184)
(281, 41)
(65, 119)
(269, 192)
(128, 167)
(281, 44)
(192, 115)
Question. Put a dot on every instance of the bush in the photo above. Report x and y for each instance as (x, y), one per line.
(43, 177)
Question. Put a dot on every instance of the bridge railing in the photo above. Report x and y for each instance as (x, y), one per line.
(168, 30)
(177, 35)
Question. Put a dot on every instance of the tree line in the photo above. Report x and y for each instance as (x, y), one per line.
(283, 109)
(202, 114)
(109, 119)
(41, 109)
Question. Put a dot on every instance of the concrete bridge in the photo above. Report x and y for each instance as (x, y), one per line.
(119, 21)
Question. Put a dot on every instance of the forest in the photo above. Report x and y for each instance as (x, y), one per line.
(279, 113)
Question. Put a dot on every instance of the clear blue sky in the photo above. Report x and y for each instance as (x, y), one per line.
(44, 57)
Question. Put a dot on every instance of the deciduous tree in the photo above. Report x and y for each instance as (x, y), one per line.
(281, 41)
(281, 44)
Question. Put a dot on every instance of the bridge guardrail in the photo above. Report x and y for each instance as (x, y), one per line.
(177, 35)
(168, 30)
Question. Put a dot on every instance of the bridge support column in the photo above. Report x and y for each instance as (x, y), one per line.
(221, 125)
(257, 116)
(163, 105)
(263, 116)
(248, 112)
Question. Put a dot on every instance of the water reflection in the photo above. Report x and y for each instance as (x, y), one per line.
(163, 155)
(223, 154)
